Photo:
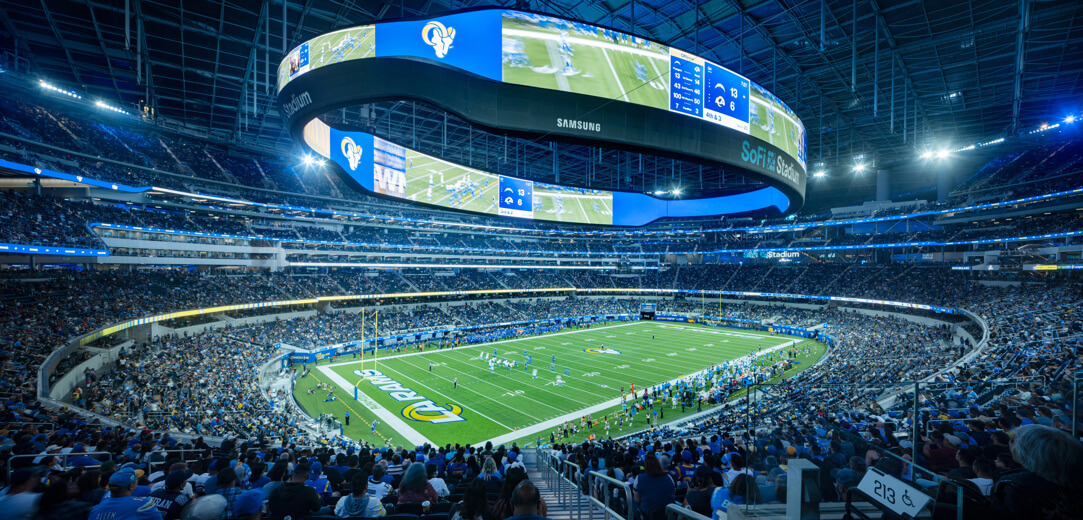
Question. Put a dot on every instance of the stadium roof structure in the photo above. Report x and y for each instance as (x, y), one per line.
(872, 78)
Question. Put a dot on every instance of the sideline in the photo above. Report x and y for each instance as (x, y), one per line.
(543, 426)
(390, 419)
(477, 345)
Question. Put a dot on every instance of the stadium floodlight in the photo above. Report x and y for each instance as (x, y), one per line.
(676, 192)
(942, 154)
(101, 104)
(1070, 119)
(819, 174)
(48, 86)
(321, 162)
(307, 160)
(926, 154)
(859, 167)
(659, 192)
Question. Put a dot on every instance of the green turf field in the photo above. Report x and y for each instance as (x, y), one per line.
(510, 404)
(335, 47)
(581, 208)
(432, 181)
(774, 124)
(575, 60)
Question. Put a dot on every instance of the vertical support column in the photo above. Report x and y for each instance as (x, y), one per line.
(882, 186)
(914, 436)
(943, 181)
(803, 477)
(853, 51)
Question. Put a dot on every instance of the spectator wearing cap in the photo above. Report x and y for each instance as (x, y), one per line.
(209, 482)
(120, 504)
(845, 479)
(249, 505)
(513, 462)
(317, 481)
(294, 498)
(170, 498)
(20, 502)
(186, 488)
(686, 469)
(81, 459)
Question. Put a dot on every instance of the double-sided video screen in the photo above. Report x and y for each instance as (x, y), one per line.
(400, 172)
(542, 51)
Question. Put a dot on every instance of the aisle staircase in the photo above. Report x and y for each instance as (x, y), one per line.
(561, 504)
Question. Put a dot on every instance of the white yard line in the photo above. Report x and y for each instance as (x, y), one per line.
(479, 345)
(434, 391)
(389, 418)
(620, 87)
(548, 425)
(583, 41)
(557, 64)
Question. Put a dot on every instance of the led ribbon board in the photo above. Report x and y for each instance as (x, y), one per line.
(544, 77)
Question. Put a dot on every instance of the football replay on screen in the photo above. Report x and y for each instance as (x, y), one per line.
(548, 78)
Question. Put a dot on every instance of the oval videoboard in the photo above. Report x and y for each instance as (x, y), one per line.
(544, 77)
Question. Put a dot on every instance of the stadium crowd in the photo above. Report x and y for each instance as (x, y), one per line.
(989, 424)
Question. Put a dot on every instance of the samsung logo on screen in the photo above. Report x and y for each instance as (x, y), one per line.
(576, 124)
(296, 103)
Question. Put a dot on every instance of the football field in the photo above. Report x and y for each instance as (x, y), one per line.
(452, 395)
(772, 123)
(563, 205)
(432, 181)
(576, 60)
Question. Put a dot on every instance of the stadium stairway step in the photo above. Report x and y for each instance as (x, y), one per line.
(574, 508)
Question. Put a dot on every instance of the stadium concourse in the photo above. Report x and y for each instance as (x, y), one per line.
(195, 323)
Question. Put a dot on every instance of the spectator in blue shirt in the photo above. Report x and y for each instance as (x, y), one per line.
(120, 505)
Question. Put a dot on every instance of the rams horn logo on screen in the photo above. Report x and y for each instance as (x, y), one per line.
(424, 410)
(438, 36)
(601, 351)
(351, 151)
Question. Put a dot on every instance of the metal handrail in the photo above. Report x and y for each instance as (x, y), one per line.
(675, 512)
(608, 484)
(63, 456)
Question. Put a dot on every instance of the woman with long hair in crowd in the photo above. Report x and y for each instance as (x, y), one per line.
(490, 475)
(415, 487)
(475, 503)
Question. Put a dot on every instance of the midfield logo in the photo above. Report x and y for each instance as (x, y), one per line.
(601, 351)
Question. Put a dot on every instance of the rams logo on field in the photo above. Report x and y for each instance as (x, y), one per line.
(422, 410)
(428, 411)
(601, 351)
(351, 152)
